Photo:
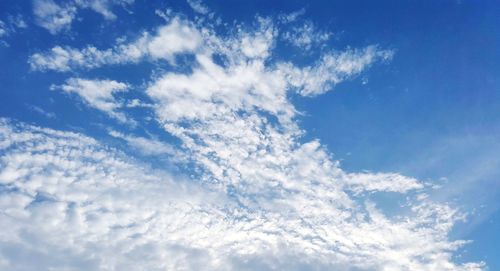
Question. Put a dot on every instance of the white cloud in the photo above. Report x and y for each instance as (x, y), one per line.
(293, 16)
(281, 203)
(97, 94)
(58, 17)
(103, 7)
(306, 36)
(334, 68)
(61, 59)
(149, 146)
(246, 81)
(180, 37)
(165, 15)
(89, 207)
(137, 103)
(392, 182)
(198, 6)
(174, 38)
(52, 16)
(237, 124)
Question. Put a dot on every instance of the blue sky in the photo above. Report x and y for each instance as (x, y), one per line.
(249, 135)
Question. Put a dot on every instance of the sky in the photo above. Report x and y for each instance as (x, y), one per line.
(249, 135)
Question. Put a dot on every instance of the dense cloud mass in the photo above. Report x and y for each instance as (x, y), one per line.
(257, 196)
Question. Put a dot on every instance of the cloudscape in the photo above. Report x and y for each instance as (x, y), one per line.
(249, 135)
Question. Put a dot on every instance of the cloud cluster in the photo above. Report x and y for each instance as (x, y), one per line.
(57, 17)
(70, 203)
(96, 93)
(173, 38)
(305, 36)
(259, 197)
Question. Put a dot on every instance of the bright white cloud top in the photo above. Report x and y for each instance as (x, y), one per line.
(258, 196)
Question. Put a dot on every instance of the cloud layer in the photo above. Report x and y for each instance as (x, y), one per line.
(258, 196)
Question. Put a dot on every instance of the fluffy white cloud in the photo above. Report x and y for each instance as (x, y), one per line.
(70, 203)
(247, 49)
(58, 17)
(52, 16)
(237, 124)
(174, 38)
(62, 59)
(96, 93)
(263, 198)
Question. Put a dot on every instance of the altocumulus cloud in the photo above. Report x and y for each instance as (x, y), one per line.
(58, 16)
(257, 197)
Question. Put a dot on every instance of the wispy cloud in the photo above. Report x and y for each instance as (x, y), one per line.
(198, 6)
(41, 111)
(97, 94)
(306, 36)
(10, 25)
(292, 16)
(57, 17)
(149, 146)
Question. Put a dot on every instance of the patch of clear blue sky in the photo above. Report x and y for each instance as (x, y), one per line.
(433, 112)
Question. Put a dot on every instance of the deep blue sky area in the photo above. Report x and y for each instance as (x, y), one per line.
(432, 112)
